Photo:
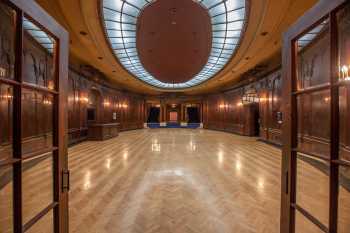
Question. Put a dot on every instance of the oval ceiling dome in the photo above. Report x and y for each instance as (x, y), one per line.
(140, 43)
(173, 39)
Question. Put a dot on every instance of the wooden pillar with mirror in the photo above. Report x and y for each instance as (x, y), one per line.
(33, 120)
(316, 84)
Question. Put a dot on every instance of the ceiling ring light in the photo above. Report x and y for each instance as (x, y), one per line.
(227, 20)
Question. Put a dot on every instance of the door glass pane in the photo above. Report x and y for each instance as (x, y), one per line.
(314, 122)
(37, 121)
(6, 205)
(7, 41)
(344, 42)
(44, 225)
(313, 57)
(6, 103)
(312, 190)
(343, 17)
(303, 225)
(38, 55)
(37, 186)
(344, 200)
(344, 115)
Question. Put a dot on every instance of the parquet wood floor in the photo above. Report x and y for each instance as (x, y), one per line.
(180, 181)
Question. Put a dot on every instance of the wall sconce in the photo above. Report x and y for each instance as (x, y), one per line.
(47, 101)
(6, 97)
(2, 72)
(345, 73)
(106, 103)
(51, 85)
(326, 99)
(84, 100)
(239, 104)
(221, 106)
(125, 106)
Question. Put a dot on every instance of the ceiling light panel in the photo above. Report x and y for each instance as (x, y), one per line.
(227, 18)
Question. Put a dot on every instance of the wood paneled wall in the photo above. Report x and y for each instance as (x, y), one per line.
(37, 110)
(112, 106)
(225, 111)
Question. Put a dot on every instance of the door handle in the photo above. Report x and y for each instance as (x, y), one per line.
(65, 180)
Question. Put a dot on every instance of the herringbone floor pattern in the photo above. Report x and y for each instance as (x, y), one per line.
(176, 181)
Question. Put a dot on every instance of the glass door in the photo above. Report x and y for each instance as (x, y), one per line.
(316, 155)
(34, 180)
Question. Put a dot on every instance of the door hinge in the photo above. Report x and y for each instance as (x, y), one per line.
(65, 180)
(287, 183)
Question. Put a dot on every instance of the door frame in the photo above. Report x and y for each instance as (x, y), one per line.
(289, 128)
(59, 150)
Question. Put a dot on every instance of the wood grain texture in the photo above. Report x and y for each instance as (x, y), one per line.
(181, 180)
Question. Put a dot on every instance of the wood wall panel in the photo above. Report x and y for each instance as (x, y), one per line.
(37, 110)
(83, 92)
(225, 111)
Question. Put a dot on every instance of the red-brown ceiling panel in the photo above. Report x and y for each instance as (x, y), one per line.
(174, 39)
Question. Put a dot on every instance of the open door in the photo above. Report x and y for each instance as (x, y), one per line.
(316, 162)
(34, 180)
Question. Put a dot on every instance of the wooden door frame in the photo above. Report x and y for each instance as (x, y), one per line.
(59, 152)
(289, 128)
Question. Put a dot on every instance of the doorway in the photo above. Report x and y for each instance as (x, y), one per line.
(193, 115)
(33, 150)
(316, 117)
(153, 116)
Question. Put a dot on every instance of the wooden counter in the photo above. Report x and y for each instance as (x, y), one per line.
(100, 132)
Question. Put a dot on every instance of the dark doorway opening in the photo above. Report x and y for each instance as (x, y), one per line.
(193, 115)
(153, 116)
(256, 120)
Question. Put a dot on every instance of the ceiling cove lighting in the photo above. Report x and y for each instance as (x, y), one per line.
(227, 20)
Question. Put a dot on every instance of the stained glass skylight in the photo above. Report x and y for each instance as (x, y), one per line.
(39, 35)
(227, 19)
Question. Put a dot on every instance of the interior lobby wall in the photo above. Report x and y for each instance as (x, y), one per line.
(111, 106)
(225, 111)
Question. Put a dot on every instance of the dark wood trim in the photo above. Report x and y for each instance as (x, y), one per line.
(335, 132)
(17, 134)
(8, 162)
(322, 10)
(307, 153)
(38, 154)
(36, 218)
(320, 87)
(34, 12)
(312, 219)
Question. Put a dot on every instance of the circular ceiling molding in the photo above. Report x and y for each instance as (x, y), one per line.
(227, 21)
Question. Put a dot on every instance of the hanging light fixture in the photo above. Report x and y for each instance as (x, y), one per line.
(250, 96)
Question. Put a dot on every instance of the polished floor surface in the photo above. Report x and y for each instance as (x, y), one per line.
(177, 180)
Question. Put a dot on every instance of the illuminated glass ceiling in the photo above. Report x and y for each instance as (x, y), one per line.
(227, 18)
(39, 35)
(311, 35)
